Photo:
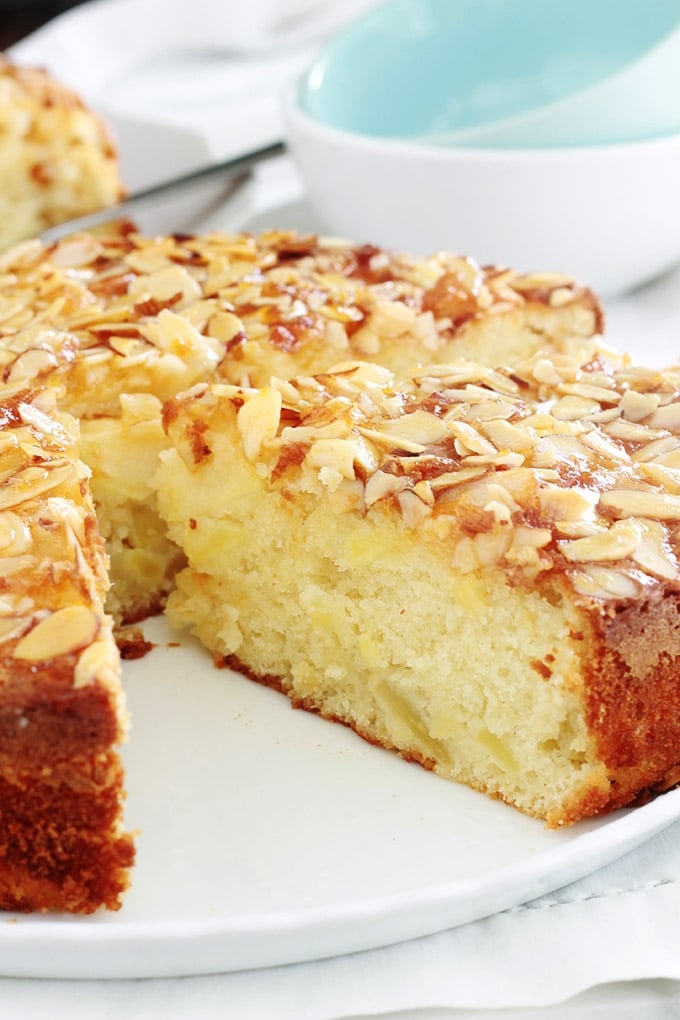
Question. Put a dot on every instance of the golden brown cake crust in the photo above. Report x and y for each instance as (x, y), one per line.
(61, 706)
(633, 695)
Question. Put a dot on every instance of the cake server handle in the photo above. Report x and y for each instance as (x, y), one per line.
(236, 168)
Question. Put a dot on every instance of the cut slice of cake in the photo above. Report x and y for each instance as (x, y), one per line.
(142, 318)
(477, 568)
(57, 156)
(62, 712)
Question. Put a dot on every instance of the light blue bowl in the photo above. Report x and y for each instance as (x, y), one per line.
(511, 73)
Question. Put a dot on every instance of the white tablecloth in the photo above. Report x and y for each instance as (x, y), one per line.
(217, 68)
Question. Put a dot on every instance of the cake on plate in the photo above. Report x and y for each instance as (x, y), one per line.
(485, 576)
(172, 358)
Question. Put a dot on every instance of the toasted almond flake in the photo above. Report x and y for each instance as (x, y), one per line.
(500, 512)
(573, 408)
(420, 427)
(333, 453)
(536, 538)
(562, 504)
(657, 448)
(32, 483)
(384, 439)
(659, 474)
(382, 484)
(413, 509)
(632, 432)
(490, 547)
(638, 503)
(15, 535)
(60, 633)
(616, 543)
(544, 371)
(653, 552)
(469, 440)
(451, 479)
(505, 436)
(75, 252)
(258, 420)
(636, 406)
(667, 417)
(605, 583)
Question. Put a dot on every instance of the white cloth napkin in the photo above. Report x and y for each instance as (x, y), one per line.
(215, 66)
(218, 68)
(620, 924)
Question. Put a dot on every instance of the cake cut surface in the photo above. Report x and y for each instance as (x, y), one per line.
(57, 156)
(485, 575)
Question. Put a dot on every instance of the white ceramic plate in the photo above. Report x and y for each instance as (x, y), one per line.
(269, 836)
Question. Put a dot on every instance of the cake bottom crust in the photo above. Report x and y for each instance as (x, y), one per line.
(631, 784)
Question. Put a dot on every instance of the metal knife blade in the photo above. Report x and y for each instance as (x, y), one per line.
(235, 168)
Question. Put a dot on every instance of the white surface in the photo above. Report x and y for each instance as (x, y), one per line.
(271, 836)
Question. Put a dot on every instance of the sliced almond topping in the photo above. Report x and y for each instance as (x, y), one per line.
(60, 633)
(15, 535)
(32, 483)
(420, 427)
(558, 504)
(638, 406)
(616, 543)
(639, 503)
(166, 284)
(258, 420)
(667, 417)
(469, 440)
(657, 449)
(572, 408)
(382, 484)
(605, 583)
(508, 437)
(338, 454)
(653, 552)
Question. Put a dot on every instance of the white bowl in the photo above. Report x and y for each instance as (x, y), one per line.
(607, 214)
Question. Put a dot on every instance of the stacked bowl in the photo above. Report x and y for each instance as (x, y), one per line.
(533, 134)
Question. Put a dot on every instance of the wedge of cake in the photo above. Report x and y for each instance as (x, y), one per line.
(57, 156)
(143, 318)
(485, 572)
(62, 712)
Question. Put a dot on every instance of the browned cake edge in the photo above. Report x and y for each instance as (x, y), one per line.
(61, 789)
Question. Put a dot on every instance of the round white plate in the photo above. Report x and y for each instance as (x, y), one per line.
(270, 836)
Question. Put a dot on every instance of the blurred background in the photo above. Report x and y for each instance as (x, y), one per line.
(19, 17)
